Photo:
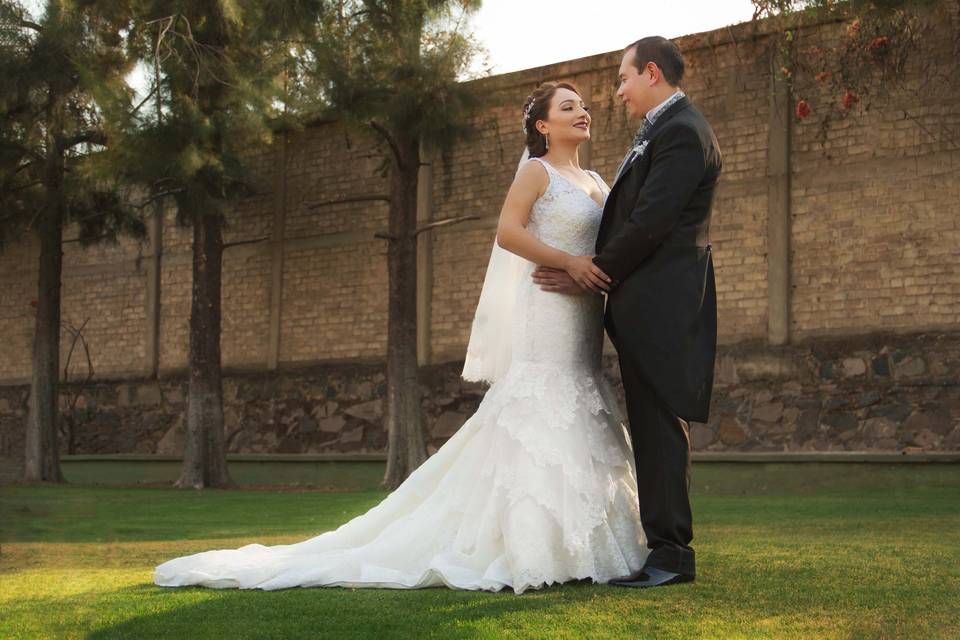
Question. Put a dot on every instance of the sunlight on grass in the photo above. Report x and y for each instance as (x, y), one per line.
(77, 562)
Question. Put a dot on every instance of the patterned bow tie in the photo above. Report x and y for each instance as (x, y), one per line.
(636, 148)
(641, 131)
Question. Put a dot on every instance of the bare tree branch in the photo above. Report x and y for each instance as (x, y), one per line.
(92, 137)
(948, 132)
(77, 334)
(237, 243)
(143, 102)
(381, 234)
(327, 203)
(386, 135)
(443, 223)
(27, 24)
(32, 183)
(99, 237)
(69, 425)
(157, 196)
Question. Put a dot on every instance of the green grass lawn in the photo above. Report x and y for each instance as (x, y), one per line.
(781, 554)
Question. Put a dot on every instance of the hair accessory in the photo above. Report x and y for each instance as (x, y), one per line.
(526, 113)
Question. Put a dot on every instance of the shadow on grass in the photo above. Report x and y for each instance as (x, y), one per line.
(340, 613)
(778, 603)
(838, 561)
(751, 583)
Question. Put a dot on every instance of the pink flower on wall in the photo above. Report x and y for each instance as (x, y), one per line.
(803, 109)
(879, 43)
(849, 99)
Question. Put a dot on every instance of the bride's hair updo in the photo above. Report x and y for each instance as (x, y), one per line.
(536, 107)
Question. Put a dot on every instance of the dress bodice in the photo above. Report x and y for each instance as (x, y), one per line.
(556, 330)
(565, 216)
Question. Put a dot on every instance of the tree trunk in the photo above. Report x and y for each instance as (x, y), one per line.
(204, 456)
(42, 456)
(404, 420)
(42, 459)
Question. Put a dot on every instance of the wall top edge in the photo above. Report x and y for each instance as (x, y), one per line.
(731, 34)
(739, 33)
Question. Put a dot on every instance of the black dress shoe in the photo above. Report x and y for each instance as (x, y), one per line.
(651, 577)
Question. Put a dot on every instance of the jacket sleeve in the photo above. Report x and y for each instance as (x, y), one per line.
(677, 166)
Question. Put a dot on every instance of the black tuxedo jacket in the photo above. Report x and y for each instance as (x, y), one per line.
(653, 241)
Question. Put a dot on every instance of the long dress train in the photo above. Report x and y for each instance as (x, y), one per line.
(537, 487)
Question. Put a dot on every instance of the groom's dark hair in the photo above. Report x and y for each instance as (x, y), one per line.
(664, 53)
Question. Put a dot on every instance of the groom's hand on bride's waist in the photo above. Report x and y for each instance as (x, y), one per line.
(557, 281)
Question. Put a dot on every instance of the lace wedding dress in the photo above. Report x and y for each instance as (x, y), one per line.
(536, 488)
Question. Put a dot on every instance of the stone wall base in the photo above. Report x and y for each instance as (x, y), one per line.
(890, 393)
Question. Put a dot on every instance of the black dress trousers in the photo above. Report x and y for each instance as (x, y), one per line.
(661, 450)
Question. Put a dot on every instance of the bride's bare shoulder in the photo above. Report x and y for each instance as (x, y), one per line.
(532, 177)
(533, 168)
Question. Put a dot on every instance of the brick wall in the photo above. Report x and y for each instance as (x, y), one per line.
(873, 240)
(876, 230)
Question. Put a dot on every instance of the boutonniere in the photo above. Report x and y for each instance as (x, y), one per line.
(640, 148)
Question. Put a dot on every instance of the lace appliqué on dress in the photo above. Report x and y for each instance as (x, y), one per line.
(536, 488)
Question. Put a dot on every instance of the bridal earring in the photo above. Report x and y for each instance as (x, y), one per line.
(546, 136)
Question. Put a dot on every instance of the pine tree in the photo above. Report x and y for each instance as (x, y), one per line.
(392, 67)
(218, 69)
(53, 70)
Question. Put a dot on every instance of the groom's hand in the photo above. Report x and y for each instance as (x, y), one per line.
(556, 280)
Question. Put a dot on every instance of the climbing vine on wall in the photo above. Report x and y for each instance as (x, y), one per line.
(864, 54)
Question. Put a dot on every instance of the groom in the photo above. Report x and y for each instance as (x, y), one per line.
(661, 312)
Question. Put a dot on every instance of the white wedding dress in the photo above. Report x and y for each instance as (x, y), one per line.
(537, 487)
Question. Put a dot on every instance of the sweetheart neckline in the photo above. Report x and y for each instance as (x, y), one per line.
(572, 184)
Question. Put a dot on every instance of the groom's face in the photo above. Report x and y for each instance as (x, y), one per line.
(635, 89)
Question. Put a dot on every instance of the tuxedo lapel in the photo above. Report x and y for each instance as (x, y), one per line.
(651, 131)
(671, 111)
(607, 219)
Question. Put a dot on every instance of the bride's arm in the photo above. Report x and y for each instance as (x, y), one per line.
(512, 233)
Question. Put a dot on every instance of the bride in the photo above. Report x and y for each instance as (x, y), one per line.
(538, 486)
